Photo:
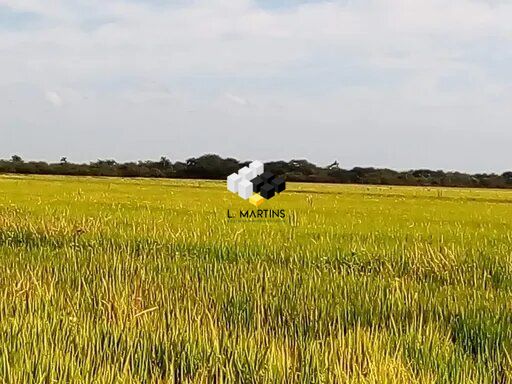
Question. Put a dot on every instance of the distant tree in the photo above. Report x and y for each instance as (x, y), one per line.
(278, 167)
(165, 162)
(108, 163)
(334, 165)
(507, 176)
(211, 166)
(180, 168)
(303, 166)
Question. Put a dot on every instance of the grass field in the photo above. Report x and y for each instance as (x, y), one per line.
(147, 281)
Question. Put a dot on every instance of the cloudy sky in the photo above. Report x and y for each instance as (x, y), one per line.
(394, 83)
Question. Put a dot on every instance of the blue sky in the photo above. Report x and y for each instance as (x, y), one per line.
(395, 83)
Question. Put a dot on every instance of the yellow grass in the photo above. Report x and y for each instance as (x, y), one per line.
(136, 281)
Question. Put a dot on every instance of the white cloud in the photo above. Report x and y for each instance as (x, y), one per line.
(237, 99)
(53, 98)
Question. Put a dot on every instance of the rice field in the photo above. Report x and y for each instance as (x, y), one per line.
(147, 281)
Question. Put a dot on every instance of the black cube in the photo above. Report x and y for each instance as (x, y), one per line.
(279, 184)
(267, 191)
(257, 183)
(267, 177)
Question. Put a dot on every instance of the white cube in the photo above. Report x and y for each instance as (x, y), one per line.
(245, 189)
(247, 173)
(257, 166)
(233, 181)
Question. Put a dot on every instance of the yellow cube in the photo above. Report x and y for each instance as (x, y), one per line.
(256, 200)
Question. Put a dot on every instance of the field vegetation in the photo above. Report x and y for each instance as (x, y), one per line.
(147, 281)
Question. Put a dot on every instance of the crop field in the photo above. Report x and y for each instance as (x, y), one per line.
(147, 281)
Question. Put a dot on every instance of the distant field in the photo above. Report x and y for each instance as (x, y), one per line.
(146, 281)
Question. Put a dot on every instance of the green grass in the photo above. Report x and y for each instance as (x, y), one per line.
(146, 281)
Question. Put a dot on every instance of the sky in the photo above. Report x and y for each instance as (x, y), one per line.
(386, 83)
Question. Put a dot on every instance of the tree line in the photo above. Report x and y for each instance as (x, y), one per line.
(212, 166)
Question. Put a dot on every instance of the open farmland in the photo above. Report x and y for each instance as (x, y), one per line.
(147, 281)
